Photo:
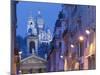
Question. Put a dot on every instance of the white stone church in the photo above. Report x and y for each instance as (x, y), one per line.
(35, 35)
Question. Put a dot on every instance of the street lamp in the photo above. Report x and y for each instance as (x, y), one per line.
(20, 52)
(87, 32)
(61, 56)
(19, 71)
(72, 46)
(81, 38)
(87, 47)
(20, 61)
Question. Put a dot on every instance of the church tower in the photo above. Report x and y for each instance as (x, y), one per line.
(40, 22)
(40, 25)
(32, 36)
(36, 35)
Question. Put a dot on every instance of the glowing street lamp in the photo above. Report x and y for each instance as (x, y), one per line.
(20, 52)
(20, 60)
(87, 46)
(72, 46)
(61, 56)
(19, 71)
(87, 32)
(81, 38)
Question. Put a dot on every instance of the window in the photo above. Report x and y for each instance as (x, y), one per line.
(60, 44)
(32, 47)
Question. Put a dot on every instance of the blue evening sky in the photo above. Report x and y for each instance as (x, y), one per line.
(49, 12)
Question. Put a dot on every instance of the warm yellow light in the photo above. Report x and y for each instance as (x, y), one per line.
(87, 32)
(65, 65)
(81, 38)
(91, 49)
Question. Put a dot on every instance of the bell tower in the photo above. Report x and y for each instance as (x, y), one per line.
(31, 27)
(39, 21)
(32, 38)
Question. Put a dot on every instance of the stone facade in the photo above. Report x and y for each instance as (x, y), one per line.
(70, 49)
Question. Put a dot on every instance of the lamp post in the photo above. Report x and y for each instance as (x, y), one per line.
(71, 50)
(81, 39)
(87, 34)
(86, 51)
(20, 61)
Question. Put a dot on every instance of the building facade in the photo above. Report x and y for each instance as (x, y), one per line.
(74, 39)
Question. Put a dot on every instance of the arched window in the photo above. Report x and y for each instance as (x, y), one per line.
(32, 47)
